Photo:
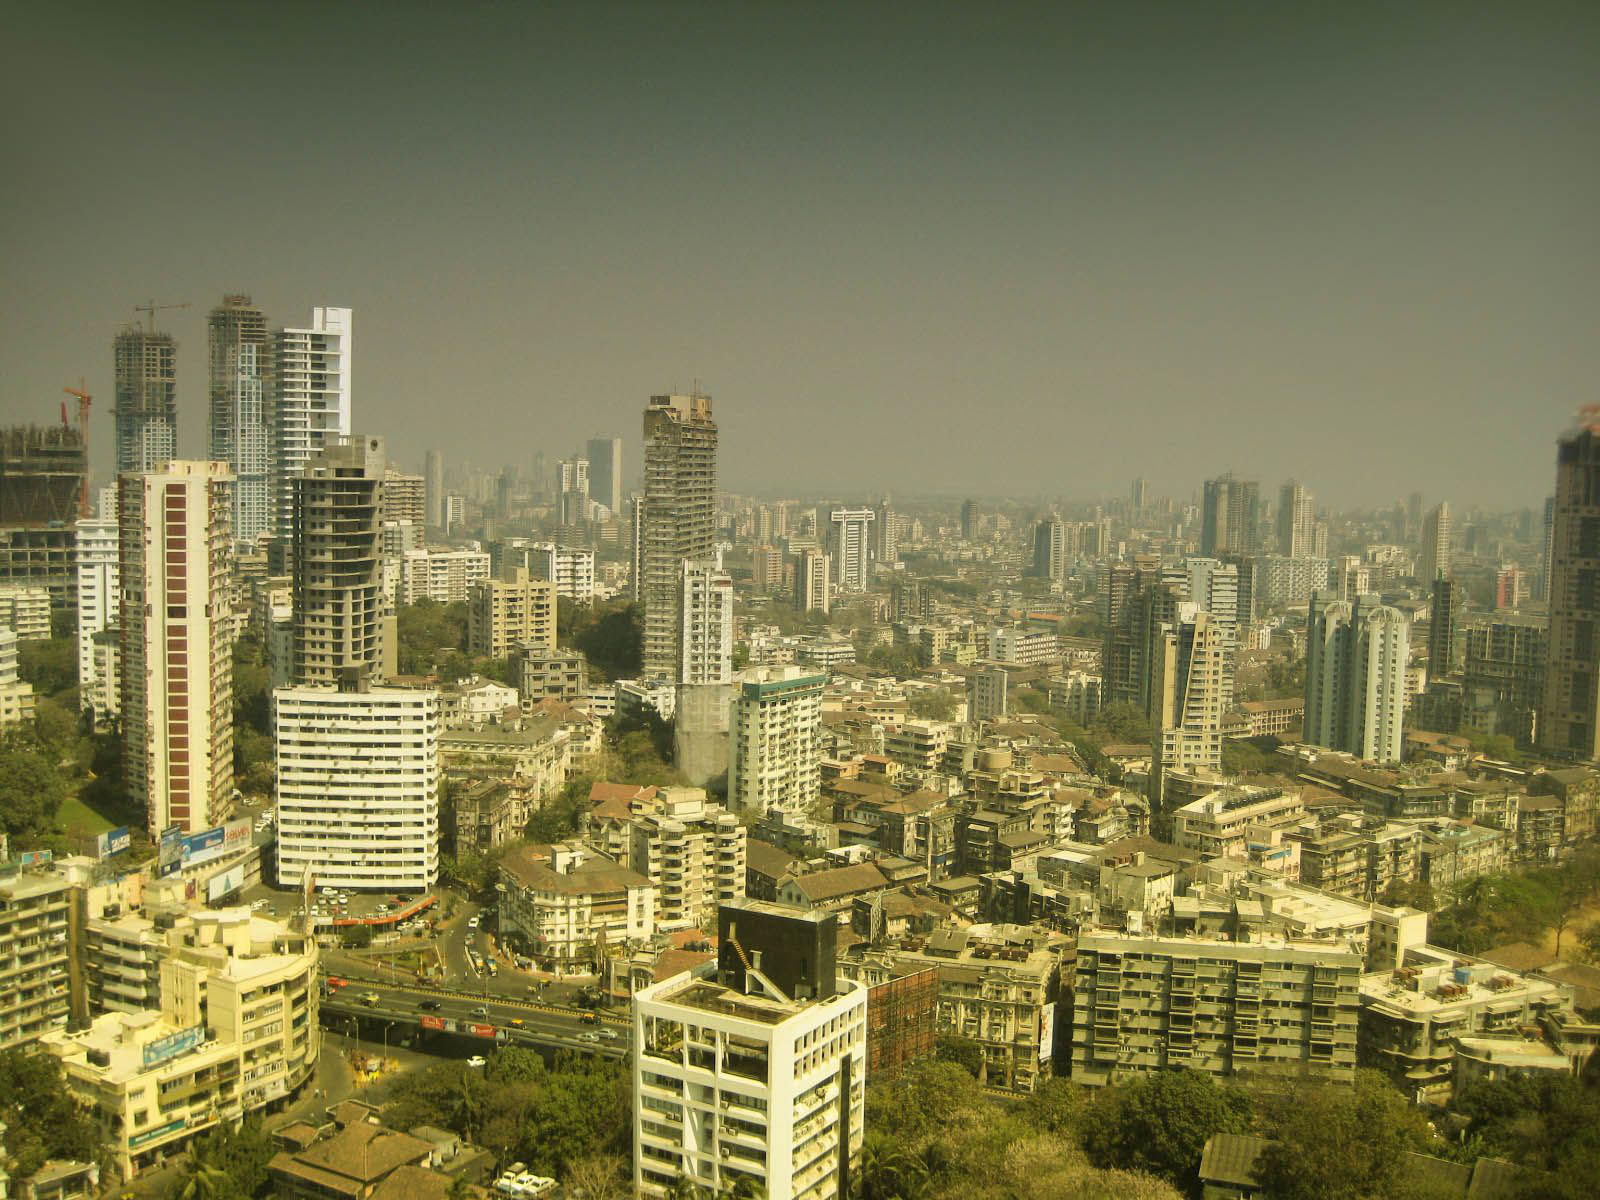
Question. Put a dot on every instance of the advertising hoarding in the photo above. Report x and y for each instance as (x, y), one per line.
(173, 1045)
(222, 884)
(113, 841)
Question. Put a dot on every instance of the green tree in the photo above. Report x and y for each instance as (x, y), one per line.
(963, 1052)
(1340, 1143)
(31, 788)
(41, 1119)
(1159, 1123)
(611, 638)
(50, 665)
(239, 1156)
(933, 704)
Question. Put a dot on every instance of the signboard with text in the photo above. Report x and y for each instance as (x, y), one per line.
(436, 1023)
(113, 841)
(173, 1045)
(484, 1031)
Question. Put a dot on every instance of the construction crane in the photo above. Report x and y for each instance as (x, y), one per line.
(83, 433)
(151, 308)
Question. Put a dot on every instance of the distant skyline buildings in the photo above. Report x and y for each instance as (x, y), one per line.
(310, 398)
(238, 357)
(145, 403)
(1230, 516)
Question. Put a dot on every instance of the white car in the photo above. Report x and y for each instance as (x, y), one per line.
(477, 1060)
(472, 922)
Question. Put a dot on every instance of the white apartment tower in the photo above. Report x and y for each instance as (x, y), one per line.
(679, 518)
(1433, 559)
(1191, 687)
(239, 436)
(177, 663)
(852, 547)
(1355, 676)
(99, 597)
(1297, 522)
(310, 400)
(813, 582)
(358, 785)
(776, 752)
(343, 617)
(753, 1070)
(705, 634)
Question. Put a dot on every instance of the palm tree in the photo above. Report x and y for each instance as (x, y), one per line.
(204, 1182)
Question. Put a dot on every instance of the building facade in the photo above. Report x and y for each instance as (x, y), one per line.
(775, 752)
(678, 519)
(146, 404)
(1355, 677)
(239, 358)
(310, 400)
(518, 609)
(176, 655)
(358, 786)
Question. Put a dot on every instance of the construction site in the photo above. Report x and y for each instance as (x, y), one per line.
(43, 470)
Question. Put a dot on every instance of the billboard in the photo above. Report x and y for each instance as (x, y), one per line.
(225, 883)
(34, 858)
(113, 841)
(170, 855)
(429, 1022)
(487, 1031)
(1047, 1032)
(173, 1045)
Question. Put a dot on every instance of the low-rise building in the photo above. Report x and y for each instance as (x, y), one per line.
(1411, 1016)
(25, 610)
(236, 1033)
(16, 697)
(998, 986)
(1452, 852)
(1220, 824)
(545, 674)
(1269, 1007)
(566, 904)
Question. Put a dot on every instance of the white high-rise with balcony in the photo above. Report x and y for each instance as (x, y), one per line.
(776, 757)
(310, 399)
(1355, 676)
(358, 786)
(98, 597)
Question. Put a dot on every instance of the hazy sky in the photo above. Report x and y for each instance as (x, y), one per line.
(985, 248)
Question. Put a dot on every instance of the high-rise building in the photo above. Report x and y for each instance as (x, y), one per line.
(1297, 522)
(1568, 722)
(705, 637)
(850, 530)
(752, 1071)
(433, 485)
(146, 406)
(574, 474)
(776, 752)
(1510, 587)
(517, 609)
(605, 473)
(343, 616)
(1502, 684)
(1546, 548)
(1355, 677)
(1190, 668)
(813, 585)
(42, 470)
(239, 434)
(1230, 516)
(1444, 628)
(1050, 548)
(99, 595)
(1139, 496)
(679, 520)
(766, 569)
(1433, 558)
(885, 534)
(404, 497)
(358, 785)
(310, 400)
(636, 548)
(570, 568)
(969, 520)
(177, 666)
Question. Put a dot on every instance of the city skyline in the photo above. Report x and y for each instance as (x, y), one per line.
(1267, 237)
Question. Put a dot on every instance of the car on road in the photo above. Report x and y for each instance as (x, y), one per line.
(429, 1006)
(518, 1022)
(472, 922)
(609, 1035)
(589, 1018)
(335, 982)
(480, 1011)
(370, 999)
(477, 1060)
(588, 1036)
